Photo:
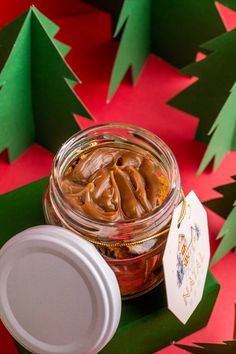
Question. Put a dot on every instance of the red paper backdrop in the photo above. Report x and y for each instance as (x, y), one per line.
(88, 31)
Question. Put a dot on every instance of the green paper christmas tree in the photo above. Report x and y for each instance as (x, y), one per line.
(37, 101)
(135, 42)
(216, 76)
(223, 133)
(180, 26)
(223, 205)
(227, 347)
(226, 208)
(172, 29)
(228, 235)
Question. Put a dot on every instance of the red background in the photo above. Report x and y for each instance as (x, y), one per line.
(88, 32)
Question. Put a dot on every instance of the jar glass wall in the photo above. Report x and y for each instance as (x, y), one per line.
(134, 247)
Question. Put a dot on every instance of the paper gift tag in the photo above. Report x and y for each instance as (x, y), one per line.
(186, 258)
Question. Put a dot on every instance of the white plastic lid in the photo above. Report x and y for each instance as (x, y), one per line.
(57, 293)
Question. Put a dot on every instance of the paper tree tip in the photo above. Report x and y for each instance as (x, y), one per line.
(199, 171)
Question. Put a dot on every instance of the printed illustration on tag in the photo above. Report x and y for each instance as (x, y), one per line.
(186, 257)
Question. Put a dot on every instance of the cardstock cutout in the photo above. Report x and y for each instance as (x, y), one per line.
(186, 258)
(223, 134)
(223, 205)
(228, 235)
(227, 347)
(226, 207)
(169, 29)
(37, 101)
(216, 76)
(179, 27)
(135, 43)
(21, 209)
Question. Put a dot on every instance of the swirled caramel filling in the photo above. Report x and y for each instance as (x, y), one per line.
(115, 184)
(118, 184)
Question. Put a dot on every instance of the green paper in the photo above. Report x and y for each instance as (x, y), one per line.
(135, 41)
(146, 324)
(228, 235)
(180, 26)
(20, 349)
(228, 3)
(223, 134)
(223, 205)
(226, 208)
(37, 102)
(172, 29)
(227, 347)
(21, 209)
(217, 74)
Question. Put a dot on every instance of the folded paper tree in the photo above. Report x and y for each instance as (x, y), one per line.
(223, 133)
(226, 207)
(37, 101)
(216, 76)
(172, 29)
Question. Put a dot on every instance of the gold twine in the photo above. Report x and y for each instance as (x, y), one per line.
(130, 243)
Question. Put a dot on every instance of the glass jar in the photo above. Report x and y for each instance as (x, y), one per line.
(141, 241)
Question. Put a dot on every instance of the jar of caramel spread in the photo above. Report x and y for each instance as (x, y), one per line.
(117, 185)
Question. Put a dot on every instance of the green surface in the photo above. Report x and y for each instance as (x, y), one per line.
(223, 133)
(146, 323)
(37, 102)
(20, 209)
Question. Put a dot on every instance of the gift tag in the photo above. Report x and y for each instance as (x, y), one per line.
(186, 257)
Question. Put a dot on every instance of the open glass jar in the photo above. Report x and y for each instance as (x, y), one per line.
(134, 247)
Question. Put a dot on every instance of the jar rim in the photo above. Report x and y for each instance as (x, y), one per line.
(145, 134)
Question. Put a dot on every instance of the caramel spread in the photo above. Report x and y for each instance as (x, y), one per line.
(115, 184)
